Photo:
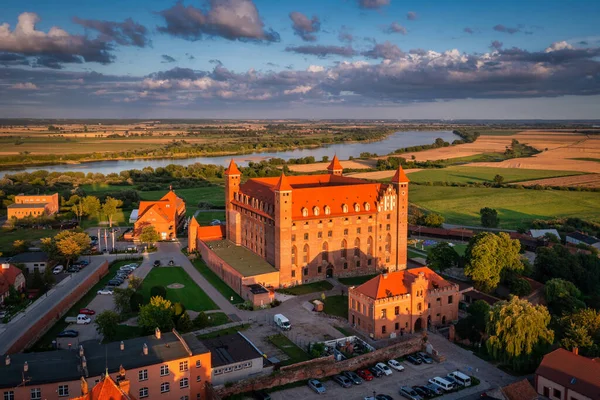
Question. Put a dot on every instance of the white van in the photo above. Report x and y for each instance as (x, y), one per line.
(58, 269)
(462, 379)
(441, 382)
(282, 322)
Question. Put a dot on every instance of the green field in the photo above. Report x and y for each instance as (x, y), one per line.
(295, 353)
(464, 174)
(191, 296)
(217, 282)
(516, 207)
(7, 237)
(320, 286)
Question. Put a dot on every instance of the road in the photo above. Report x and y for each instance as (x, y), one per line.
(10, 332)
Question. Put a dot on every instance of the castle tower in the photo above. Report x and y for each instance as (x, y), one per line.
(335, 168)
(233, 177)
(400, 182)
(193, 235)
(283, 229)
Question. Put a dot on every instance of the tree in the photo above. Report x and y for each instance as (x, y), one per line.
(498, 180)
(106, 324)
(488, 255)
(518, 333)
(122, 298)
(442, 256)
(156, 314)
(71, 244)
(433, 219)
(135, 301)
(91, 206)
(489, 217)
(562, 296)
(135, 282)
(149, 235)
(582, 330)
(110, 208)
(158, 291)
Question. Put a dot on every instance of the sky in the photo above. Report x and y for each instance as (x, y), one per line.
(426, 59)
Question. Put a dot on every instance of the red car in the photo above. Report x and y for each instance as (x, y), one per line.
(87, 311)
(365, 374)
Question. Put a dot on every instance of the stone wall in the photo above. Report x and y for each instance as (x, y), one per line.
(319, 368)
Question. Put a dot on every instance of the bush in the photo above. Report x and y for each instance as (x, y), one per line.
(159, 291)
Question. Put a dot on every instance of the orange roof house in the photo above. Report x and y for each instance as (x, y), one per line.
(165, 215)
(395, 303)
(33, 206)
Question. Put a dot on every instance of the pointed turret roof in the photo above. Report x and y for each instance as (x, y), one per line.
(335, 164)
(400, 176)
(283, 185)
(232, 169)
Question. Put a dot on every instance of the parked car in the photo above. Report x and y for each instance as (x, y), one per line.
(87, 311)
(414, 360)
(354, 378)
(435, 388)
(261, 395)
(317, 386)
(377, 372)
(396, 365)
(409, 393)
(425, 357)
(420, 391)
(342, 381)
(58, 269)
(106, 290)
(365, 374)
(386, 370)
(68, 333)
(156, 263)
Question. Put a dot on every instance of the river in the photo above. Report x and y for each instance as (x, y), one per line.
(343, 150)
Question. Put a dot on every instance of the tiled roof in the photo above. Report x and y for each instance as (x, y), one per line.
(335, 164)
(400, 176)
(8, 276)
(232, 169)
(577, 373)
(398, 283)
(521, 390)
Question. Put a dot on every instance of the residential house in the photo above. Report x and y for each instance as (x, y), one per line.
(10, 276)
(33, 206)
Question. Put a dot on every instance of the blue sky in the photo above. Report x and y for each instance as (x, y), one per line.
(434, 58)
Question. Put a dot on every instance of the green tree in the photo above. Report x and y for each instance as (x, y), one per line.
(442, 256)
(433, 220)
(110, 208)
(518, 333)
(149, 235)
(488, 255)
(106, 324)
(156, 314)
(158, 291)
(562, 297)
(489, 217)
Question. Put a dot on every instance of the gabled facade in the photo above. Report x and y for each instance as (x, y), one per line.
(401, 302)
(165, 215)
(33, 206)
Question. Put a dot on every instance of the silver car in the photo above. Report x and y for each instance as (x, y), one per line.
(317, 386)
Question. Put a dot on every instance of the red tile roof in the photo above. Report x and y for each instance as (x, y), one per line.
(232, 169)
(521, 390)
(335, 164)
(575, 372)
(8, 277)
(400, 176)
(397, 283)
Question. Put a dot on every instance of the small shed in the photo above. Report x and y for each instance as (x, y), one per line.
(318, 305)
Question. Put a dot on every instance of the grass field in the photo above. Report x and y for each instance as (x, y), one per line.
(295, 353)
(464, 174)
(320, 286)
(356, 280)
(191, 296)
(217, 282)
(516, 207)
(7, 237)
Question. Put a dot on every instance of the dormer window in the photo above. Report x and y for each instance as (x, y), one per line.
(344, 208)
(304, 212)
(356, 207)
(316, 210)
(327, 210)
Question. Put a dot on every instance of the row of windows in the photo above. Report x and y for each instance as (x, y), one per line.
(226, 370)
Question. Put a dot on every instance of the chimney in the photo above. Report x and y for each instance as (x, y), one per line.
(7, 360)
(25, 367)
(122, 346)
(576, 350)
(157, 333)
(5, 266)
(80, 351)
(145, 349)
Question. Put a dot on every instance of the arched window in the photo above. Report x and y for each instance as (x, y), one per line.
(370, 246)
(316, 210)
(325, 253)
(304, 212)
(367, 207)
(327, 210)
(344, 208)
(344, 248)
(388, 243)
(356, 207)
(294, 256)
(357, 247)
(305, 254)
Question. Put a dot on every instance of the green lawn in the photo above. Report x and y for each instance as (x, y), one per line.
(7, 237)
(295, 353)
(356, 280)
(516, 207)
(320, 286)
(218, 284)
(224, 332)
(191, 296)
(463, 174)
(336, 305)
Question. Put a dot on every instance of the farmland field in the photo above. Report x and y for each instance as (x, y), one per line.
(465, 174)
(516, 207)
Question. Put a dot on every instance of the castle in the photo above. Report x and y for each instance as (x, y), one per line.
(307, 228)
